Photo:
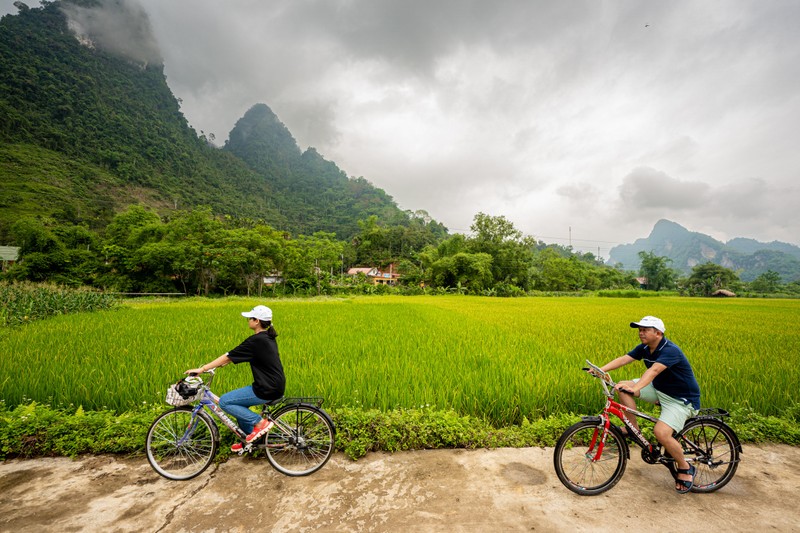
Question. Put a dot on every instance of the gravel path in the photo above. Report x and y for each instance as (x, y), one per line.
(433, 490)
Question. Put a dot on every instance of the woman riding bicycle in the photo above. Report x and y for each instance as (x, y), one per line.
(261, 351)
(668, 381)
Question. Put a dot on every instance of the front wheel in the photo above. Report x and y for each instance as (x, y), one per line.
(301, 441)
(713, 448)
(579, 465)
(180, 446)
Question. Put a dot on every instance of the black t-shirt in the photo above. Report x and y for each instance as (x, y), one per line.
(261, 352)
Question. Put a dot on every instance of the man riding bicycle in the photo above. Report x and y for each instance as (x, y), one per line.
(668, 381)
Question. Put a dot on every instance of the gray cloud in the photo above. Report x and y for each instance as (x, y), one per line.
(120, 27)
(647, 188)
(737, 208)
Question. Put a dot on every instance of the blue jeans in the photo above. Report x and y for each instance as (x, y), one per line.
(236, 403)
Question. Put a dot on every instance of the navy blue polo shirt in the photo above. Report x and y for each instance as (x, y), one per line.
(677, 380)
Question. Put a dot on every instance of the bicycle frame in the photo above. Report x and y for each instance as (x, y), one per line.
(615, 408)
(210, 402)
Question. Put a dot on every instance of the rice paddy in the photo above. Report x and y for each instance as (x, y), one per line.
(500, 359)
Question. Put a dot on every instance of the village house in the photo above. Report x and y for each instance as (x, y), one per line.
(375, 275)
(8, 256)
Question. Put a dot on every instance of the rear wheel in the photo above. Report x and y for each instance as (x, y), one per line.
(712, 448)
(180, 447)
(579, 466)
(301, 441)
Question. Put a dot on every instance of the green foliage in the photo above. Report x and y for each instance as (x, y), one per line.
(656, 271)
(767, 283)
(33, 430)
(709, 277)
(21, 303)
(751, 426)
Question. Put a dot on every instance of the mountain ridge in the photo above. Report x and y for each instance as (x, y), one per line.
(687, 249)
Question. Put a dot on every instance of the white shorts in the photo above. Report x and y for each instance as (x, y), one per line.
(674, 412)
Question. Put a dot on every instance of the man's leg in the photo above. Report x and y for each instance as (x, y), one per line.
(663, 433)
(674, 414)
(628, 401)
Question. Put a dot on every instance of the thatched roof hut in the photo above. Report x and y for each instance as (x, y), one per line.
(722, 293)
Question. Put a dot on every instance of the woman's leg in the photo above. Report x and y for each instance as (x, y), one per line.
(236, 403)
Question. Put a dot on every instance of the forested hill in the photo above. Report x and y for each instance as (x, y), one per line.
(86, 130)
(311, 192)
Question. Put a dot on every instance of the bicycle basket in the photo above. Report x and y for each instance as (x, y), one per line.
(184, 392)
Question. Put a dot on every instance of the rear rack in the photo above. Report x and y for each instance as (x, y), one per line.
(291, 400)
(714, 412)
(314, 400)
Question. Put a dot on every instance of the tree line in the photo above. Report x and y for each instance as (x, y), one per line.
(196, 252)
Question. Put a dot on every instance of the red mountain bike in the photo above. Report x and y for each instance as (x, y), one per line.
(591, 455)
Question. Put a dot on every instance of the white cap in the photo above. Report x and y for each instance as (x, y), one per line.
(650, 322)
(261, 312)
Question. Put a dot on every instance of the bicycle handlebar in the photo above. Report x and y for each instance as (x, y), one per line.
(597, 372)
(207, 382)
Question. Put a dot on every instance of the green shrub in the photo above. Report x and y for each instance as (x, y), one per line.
(619, 294)
(35, 429)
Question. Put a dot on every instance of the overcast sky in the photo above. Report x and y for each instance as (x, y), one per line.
(582, 119)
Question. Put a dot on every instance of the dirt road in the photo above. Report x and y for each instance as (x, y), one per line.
(436, 490)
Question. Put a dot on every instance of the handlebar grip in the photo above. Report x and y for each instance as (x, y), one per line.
(626, 391)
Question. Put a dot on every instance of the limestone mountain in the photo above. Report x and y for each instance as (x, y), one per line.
(311, 192)
(688, 248)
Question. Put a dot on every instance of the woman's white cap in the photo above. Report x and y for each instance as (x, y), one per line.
(650, 322)
(261, 312)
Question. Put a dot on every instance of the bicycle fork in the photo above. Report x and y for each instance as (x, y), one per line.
(599, 436)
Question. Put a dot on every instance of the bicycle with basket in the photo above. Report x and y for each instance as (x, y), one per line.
(182, 442)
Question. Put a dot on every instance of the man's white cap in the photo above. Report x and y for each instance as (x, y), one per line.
(650, 322)
(261, 312)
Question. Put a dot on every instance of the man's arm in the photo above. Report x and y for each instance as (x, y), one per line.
(618, 362)
(648, 377)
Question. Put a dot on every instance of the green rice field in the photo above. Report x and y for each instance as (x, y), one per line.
(500, 359)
